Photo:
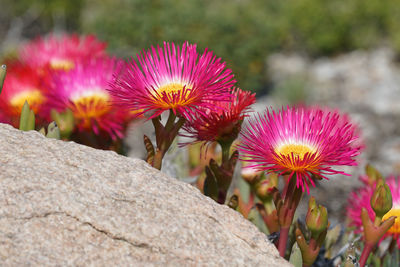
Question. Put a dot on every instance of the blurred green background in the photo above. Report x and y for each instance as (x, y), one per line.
(242, 32)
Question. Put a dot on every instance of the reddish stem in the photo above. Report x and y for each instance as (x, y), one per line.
(283, 237)
(286, 214)
(364, 255)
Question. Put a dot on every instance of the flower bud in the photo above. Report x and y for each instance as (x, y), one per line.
(373, 174)
(263, 189)
(317, 218)
(381, 200)
(251, 175)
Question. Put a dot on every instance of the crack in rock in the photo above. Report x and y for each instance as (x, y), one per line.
(108, 234)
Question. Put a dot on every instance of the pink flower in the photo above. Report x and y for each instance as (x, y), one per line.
(61, 52)
(361, 199)
(172, 77)
(22, 83)
(302, 142)
(224, 123)
(84, 91)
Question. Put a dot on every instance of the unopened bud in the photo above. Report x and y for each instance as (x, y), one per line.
(373, 174)
(263, 189)
(381, 200)
(317, 218)
(251, 174)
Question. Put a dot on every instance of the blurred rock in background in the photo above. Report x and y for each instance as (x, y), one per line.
(366, 85)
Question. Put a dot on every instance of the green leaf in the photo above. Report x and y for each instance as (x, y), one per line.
(31, 121)
(295, 256)
(24, 117)
(42, 131)
(3, 71)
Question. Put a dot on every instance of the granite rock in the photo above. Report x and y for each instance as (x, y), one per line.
(64, 204)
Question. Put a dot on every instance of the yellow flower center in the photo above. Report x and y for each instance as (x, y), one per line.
(90, 105)
(298, 150)
(34, 97)
(395, 211)
(175, 95)
(61, 64)
(170, 88)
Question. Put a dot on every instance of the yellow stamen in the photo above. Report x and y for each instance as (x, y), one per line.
(395, 211)
(298, 150)
(170, 90)
(62, 64)
(34, 97)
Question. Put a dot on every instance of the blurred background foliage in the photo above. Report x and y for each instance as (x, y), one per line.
(242, 32)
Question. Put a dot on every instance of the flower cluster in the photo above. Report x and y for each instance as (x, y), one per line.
(361, 199)
(72, 80)
(60, 73)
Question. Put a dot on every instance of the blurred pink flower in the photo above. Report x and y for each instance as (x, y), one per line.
(84, 91)
(61, 52)
(22, 83)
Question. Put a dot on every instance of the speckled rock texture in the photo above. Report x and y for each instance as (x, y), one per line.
(64, 204)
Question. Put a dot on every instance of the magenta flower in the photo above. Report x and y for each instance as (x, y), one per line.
(84, 91)
(361, 199)
(172, 77)
(61, 53)
(301, 142)
(224, 123)
(22, 83)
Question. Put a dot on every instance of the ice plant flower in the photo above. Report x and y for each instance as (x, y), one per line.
(304, 142)
(361, 199)
(83, 90)
(224, 123)
(61, 52)
(175, 78)
(22, 83)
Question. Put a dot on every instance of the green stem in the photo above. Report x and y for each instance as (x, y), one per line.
(227, 172)
(377, 221)
(170, 122)
(226, 149)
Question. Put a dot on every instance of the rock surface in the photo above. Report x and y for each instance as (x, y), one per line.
(69, 205)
